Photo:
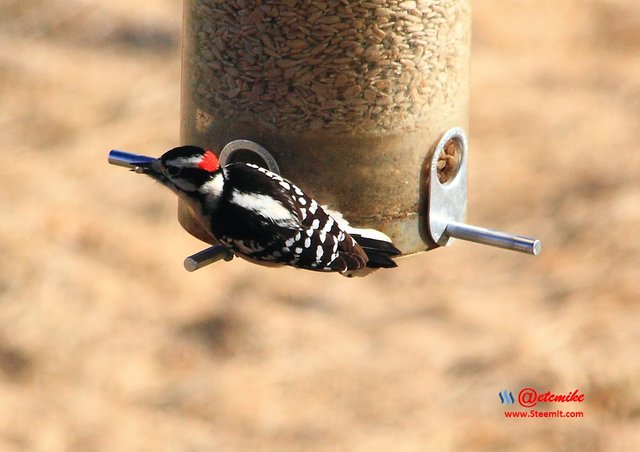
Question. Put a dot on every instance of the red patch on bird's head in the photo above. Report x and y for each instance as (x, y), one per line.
(209, 162)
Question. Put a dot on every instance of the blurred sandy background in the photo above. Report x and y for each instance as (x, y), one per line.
(107, 344)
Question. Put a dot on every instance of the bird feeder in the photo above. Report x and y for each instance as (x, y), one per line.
(352, 99)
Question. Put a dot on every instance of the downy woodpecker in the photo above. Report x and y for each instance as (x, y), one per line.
(264, 218)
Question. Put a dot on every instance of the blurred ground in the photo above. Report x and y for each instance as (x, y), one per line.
(106, 343)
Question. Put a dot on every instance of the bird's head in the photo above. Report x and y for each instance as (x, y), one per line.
(187, 170)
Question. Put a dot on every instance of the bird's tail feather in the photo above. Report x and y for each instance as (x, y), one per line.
(379, 252)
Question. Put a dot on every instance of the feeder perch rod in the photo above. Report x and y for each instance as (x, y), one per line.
(493, 238)
(127, 159)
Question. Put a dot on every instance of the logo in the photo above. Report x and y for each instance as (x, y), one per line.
(534, 402)
(506, 397)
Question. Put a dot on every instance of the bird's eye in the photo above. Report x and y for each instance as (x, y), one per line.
(173, 171)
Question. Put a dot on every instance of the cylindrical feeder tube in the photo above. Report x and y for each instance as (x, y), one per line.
(349, 97)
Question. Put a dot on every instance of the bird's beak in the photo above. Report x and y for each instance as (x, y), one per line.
(143, 168)
(154, 170)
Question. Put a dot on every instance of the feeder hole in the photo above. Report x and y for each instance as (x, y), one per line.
(449, 161)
